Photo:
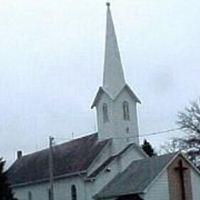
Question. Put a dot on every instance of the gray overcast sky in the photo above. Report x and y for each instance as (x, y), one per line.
(51, 65)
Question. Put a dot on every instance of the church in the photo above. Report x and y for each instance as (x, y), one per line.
(109, 164)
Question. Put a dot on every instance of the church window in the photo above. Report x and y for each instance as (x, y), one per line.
(126, 110)
(49, 194)
(105, 113)
(29, 195)
(73, 192)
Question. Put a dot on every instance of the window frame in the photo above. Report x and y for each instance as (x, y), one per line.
(105, 112)
(126, 111)
(73, 192)
(30, 196)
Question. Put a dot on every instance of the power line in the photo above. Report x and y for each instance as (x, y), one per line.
(161, 132)
(140, 136)
(151, 134)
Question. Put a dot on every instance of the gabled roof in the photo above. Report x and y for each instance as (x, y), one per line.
(102, 90)
(69, 158)
(110, 159)
(146, 170)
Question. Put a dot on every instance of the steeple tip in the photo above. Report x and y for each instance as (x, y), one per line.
(108, 3)
(113, 78)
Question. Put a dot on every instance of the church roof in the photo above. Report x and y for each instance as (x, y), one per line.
(110, 159)
(136, 177)
(69, 158)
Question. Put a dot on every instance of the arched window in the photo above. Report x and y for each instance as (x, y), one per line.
(29, 195)
(105, 113)
(126, 110)
(73, 192)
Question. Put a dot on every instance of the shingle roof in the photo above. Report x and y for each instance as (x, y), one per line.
(110, 159)
(136, 177)
(69, 157)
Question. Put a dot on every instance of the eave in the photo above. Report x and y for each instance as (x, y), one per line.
(102, 90)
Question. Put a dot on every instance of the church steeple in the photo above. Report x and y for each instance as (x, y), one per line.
(113, 77)
(115, 102)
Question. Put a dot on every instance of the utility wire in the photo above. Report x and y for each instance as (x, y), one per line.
(140, 136)
(160, 132)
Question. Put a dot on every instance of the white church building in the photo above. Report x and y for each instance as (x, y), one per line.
(108, 164)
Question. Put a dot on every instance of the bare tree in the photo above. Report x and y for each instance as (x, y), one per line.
(172, 146)
(189, 121)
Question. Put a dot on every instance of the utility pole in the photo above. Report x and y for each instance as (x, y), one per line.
(51, 179)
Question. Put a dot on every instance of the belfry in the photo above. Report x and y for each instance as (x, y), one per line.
(115, 102)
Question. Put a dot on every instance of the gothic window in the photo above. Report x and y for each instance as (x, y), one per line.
(126, 110)
(105, 113)
(29, 195)
(73, 192)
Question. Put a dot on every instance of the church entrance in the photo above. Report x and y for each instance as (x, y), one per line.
(180, 180)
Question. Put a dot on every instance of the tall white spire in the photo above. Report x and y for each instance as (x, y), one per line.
(113, 78)
(115, 102)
